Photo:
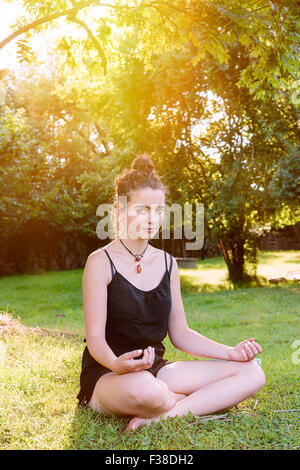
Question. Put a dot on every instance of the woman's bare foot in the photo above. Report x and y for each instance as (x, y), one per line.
(136, 422)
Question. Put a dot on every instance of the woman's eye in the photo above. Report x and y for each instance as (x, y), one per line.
(142, 210)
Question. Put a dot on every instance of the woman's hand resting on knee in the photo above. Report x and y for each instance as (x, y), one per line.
(127, 362)
(245, 351)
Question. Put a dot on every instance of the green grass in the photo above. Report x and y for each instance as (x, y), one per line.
(39, 370)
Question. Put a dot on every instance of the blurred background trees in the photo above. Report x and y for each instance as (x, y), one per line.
(209, 88)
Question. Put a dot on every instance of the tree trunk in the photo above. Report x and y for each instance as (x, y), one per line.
(233, 254)
(183, 252)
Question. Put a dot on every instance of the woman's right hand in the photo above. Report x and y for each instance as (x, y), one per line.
(126, 362)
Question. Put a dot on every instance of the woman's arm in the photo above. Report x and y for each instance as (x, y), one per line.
(94, 289)
(192, 342)
(195, 344)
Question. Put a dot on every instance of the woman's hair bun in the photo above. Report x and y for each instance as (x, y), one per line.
(143, 163)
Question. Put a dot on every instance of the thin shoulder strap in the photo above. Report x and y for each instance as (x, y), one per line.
(171, 263)
(111, 262)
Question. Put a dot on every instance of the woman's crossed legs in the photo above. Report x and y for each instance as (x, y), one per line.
(199, 386)
(135, 393)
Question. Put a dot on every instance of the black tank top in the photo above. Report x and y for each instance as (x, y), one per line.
(136, 318)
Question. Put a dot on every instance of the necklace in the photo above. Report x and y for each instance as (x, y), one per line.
(137, 257)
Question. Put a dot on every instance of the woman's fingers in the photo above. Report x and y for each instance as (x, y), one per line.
(244, 353)
(149, 356)
(152, 355)
(133, 364)
(147, 359)
(132, 354)
(249, 349)
(252, 348)
(258, 347)
(141, 364)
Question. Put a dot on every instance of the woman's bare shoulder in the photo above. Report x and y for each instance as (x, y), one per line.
(98, 254)
(97, 266)
(168, 255)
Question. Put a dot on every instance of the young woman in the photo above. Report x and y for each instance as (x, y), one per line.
(132, 299)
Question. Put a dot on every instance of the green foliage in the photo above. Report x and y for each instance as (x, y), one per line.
(208, 88)
(285, 184)
(44, 160)
(207, 29)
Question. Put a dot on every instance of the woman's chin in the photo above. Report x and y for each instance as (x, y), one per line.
(144, 234)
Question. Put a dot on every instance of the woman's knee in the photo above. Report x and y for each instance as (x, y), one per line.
(145, 391)
(259, 375)
(255, 375)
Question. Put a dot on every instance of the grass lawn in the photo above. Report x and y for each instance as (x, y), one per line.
(41, 344)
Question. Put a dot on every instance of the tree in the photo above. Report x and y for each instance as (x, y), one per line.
(252, 138)
(50, 154)
(218, 66)
(268, 28)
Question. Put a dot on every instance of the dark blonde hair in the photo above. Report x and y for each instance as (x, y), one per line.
(142, 174)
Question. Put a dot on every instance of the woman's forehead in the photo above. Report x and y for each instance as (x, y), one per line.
(148, 197)
(147, 206)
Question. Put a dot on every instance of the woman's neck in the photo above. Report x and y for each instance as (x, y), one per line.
(136, 246)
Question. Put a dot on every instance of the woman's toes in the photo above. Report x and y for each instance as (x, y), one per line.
(136, 422)
(133, 424)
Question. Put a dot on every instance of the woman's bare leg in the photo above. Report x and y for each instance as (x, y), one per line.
(132, 394)
(221, 385)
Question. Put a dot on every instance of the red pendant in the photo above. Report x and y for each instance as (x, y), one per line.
(138, 268)
(137, 258)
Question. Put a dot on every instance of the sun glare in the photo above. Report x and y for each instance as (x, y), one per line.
(42, 42)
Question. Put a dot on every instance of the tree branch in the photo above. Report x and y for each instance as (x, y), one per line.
(87, 140)
(169, 5)
(165, 17)
(46, 19)
(94, 41)
(81, 133)
(79, 6)
(198, 162)
(104, 143)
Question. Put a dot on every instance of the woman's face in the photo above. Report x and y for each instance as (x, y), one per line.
(144, 211)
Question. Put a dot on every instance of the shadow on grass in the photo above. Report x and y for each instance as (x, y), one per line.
(292, 287)
(190, 286)
(292, 260)
(211, 263)
(269, 255)
(279, 254)
(92, 430)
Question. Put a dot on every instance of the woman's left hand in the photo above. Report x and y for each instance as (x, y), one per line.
(245, 351)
